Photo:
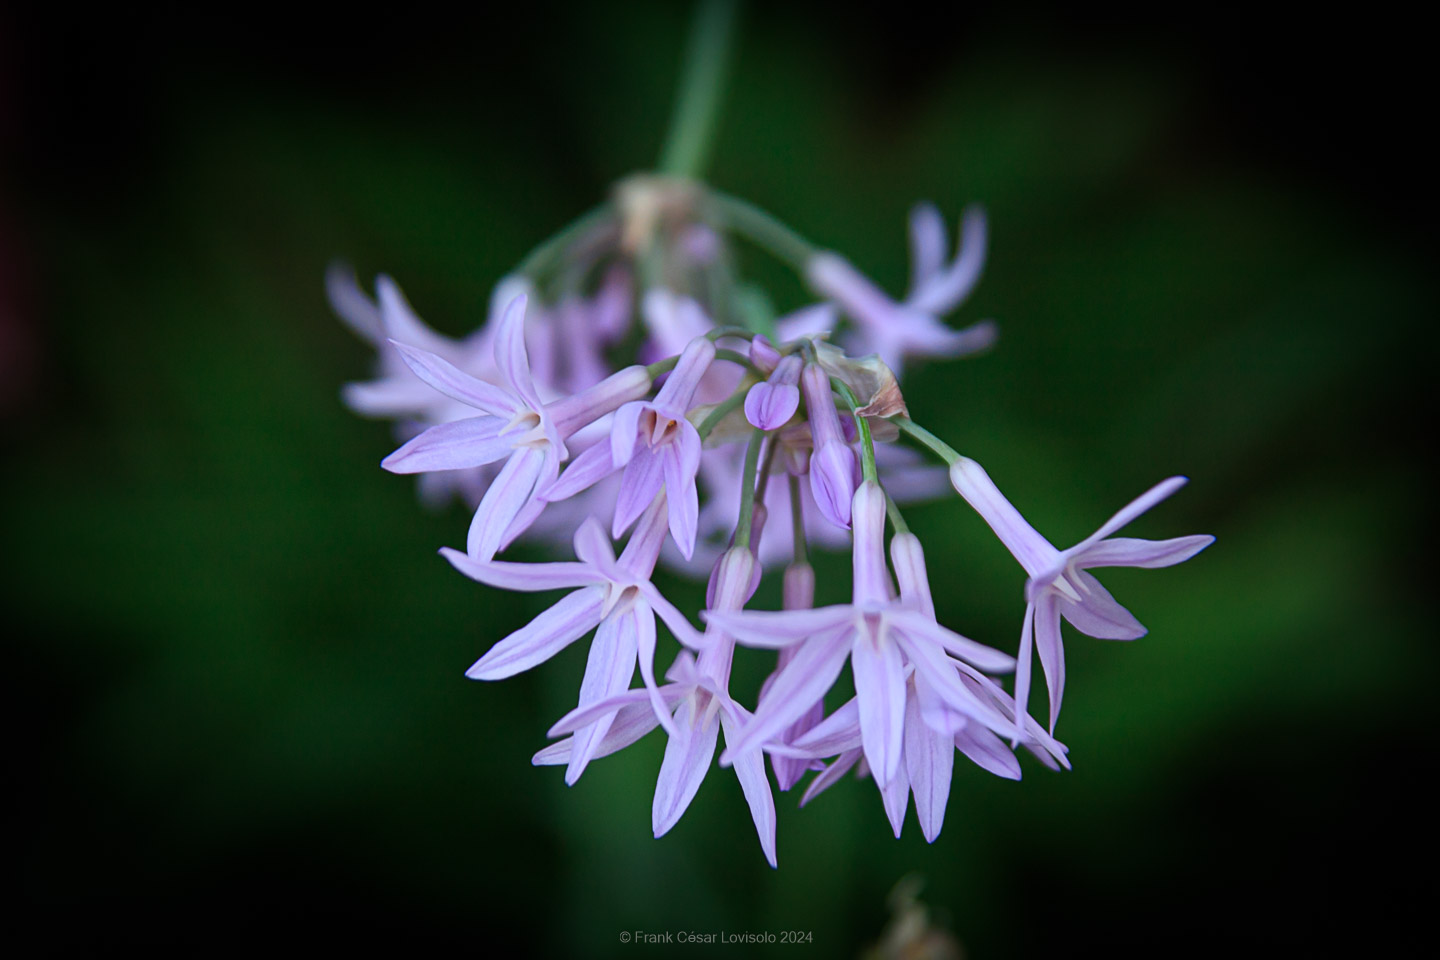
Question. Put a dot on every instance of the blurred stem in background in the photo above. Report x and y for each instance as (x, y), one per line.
(697, 108)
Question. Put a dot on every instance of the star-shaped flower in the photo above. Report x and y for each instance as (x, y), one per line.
(1059, 584)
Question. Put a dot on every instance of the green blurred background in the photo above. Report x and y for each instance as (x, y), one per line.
(237, 663)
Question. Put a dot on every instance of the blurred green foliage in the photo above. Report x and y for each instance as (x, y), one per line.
(239, 661)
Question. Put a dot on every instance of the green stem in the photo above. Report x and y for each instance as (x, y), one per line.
(692, 126)
(747, 489)
(539, 260)
(797, 522)
(896, 521)
(661, 367)
(862, 426)
(937, 446)
(741, 359)
(720, 333)
(760, 228)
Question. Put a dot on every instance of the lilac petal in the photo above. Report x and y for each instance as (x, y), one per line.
(549, 633)
(788, 770)
(836, 734)
(802, 683)
(528, 577)
(643, 477)
(674, 397)
(1099, 614)
(929, 762)
(579, 410)
(1130, 511)
(350, 302)
(831, 775)
(530, 512)
(927, 244)
(1051, 649)
(988, 752)
(390, 398)
(456, 384)
(593, 547)
(625, 432)
(688, 755)
(944, 292)
(607, 672)
(642, 550)
(920, 627)
(779, 628)
(1150, 554)
(457, 445)
(814, 320)
(583, 472)
(510, 352)
(401, 323)
(508, 493)
(896, 797)
(935, 712)
(674, 619)
(750, 770)
(939, 673)
(683, 499)
(632, 722)
(671, 694)
(1022, 668)
(770, 406)
(832, 481)
(880, 689)
(644, 627)
(1036, 554)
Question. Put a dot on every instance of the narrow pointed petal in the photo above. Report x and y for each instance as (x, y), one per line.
(679, 389)
(1022, 667)
(1131, 510)
(350, 302)
(1150, 554)
(773, 629)
(641, 481)
(688, 756)
(625, 432)
(918, 626)
(683, 500)
(1051, 649)
(643, 619)
(642, 550)
(456, 384)
(909, 560)
(927, 244)
(750, 770)
(681, 627)
(836, 734)
(532, 508)
(1099, 614)
(671, 694)
(457, 445)
(929, 761)
(583, 472)
(988, 752)
(549, 633)
(947, 290)
(607, 672)
(939, 674)
(400, 322)
(896, 797)
(528, 577)
(831, 775)
(609, 395)
(1036, 554)
(510, 352)
(803, 682)
(880, 690)
(630, 723)
(509, 492)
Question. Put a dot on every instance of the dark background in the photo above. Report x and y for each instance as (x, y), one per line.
(238, 709)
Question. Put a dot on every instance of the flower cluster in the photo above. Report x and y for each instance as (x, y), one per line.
(628, 387)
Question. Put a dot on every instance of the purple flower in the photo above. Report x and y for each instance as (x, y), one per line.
(516, 427)
(1058, 583)
(658, 448)
(896, 331)
(702, 707)
(880, 636)
(614, 595)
